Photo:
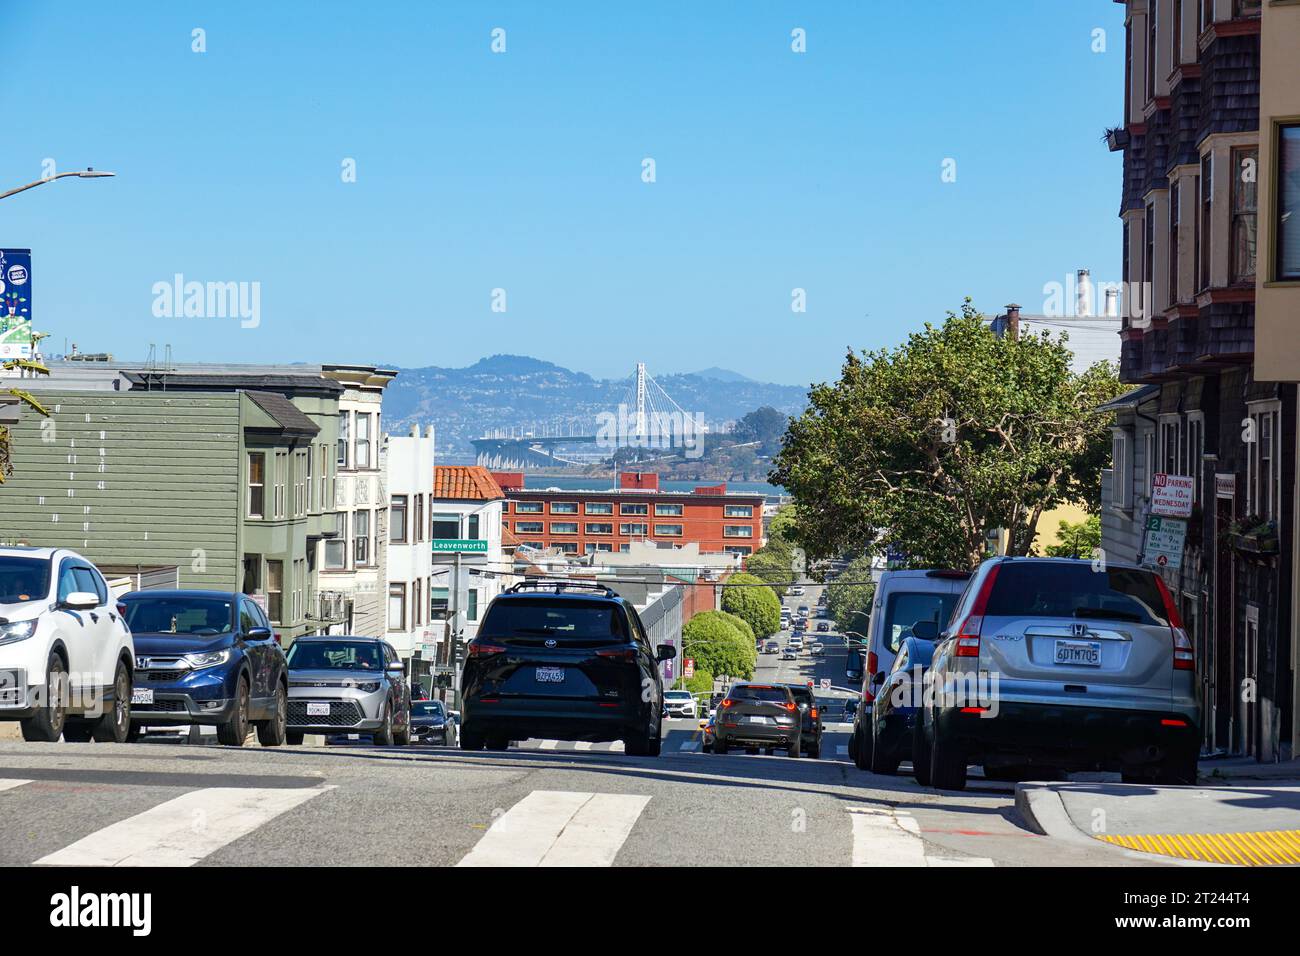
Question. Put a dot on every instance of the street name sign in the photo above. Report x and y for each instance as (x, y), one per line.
(462, 545)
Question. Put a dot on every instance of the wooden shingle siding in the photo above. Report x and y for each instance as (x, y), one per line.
(131, 478)
(1229, 101)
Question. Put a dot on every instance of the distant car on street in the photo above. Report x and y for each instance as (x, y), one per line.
(810, 719)
(759, 716)
(349, 685)
(823, 627)
(430, 722)
(817, 649)
(771, 647)
(679, 703)
(788, 653)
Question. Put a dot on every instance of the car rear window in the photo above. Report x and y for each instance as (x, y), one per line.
(803, 693)
(23, 579)
(779, 695)
(179, 615)
(560, 619)
(1040, 589)
(903, 609)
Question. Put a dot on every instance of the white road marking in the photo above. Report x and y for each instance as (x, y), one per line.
(547, 745)
(691, 745)
(559, 828)
(183, 831)
(12, 784)
(880, 838)
(582, 745)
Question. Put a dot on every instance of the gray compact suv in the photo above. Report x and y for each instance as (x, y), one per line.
(758, 715)
(348, 685)
(1052, 665)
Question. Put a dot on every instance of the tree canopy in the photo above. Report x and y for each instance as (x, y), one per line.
(849, 604)
(719, 645)
(758, 607)
(957, 432)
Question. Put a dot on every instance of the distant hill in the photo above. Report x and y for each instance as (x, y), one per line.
(516, 391)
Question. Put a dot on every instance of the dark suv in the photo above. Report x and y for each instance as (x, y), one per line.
(562, 660)
(811, 719)
(758, 715)
(206, 657)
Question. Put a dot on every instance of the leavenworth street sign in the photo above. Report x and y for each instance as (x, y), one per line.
(460, 545)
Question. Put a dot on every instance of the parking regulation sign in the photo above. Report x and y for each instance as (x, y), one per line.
(1164, 542)
(1172, 496)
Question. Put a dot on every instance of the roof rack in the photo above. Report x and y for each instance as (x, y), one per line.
(559, 586)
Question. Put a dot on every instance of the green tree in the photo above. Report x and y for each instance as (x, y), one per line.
(701, 682)
(754, 604)
(1079, 540)
(742, 626)
(24, 398)
(929, 446)
(718, 645)
(763, 425)
(849, 604)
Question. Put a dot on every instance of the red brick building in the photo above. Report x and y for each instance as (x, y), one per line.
(609, 519)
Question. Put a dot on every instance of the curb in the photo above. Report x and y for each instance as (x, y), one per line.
(1043, 811)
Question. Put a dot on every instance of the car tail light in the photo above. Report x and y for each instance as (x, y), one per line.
(873, 661)
(121, 609)
(791, 706)
(728, 702)
(814, 713)
(484, 649)
(1170, 722)
(622, 654)
(968, 631)
(1184, 651)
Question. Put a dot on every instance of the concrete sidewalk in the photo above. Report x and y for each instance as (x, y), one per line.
(1243, 824)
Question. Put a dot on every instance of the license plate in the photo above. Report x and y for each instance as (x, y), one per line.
(142, 695)
(550, 675)
(317, 709)
(755, 719)
(1079, 653)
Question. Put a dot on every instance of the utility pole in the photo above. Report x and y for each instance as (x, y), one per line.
(454, 630)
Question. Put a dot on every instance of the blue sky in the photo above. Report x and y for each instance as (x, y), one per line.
(522, 171)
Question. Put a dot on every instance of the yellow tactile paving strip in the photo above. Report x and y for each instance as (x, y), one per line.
(1262, 848)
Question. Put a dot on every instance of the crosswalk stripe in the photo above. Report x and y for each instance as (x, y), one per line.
(183, 831)
(882, 839)
(583, 745)
(547, 745)
(691, 745)
(558, 828)
(11, 784)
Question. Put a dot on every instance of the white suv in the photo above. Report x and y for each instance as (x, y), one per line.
(66, 654)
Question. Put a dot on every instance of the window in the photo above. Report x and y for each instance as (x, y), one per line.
(417, 612)
(417, 529)
(397, 519)
(345, 435)
(668, 511)
(324, 498)
(567, 547)
(668, 530)
(1129, 305)
(1286, 219)
(737, 531)
(1174, 197)
(1204, 224)
(738, 549)
(256, 484)
(1205, 14)
(599, 507)
(1246, 8)
(1152, 26)
(505, 508)
(301, 465)
(1245, 164)
(361, 538)
(1195, 453)
(445, 527)
(637, 508)
(528, 508)
(1128, 76)
(1171, 445)
(1151, 462)
(636, 528)
(472, 531)
(336, 548)
(1263, 465)
(310, 480)
(599, 527)
(1149, 262)
(363, 439)
(438, 601)
(738, 511)
(564, 507)
(594, 547)
(1176, 45)
(528, 527)
(275, 590)
(471, 604)
(281, 477)
(1121, 482)
(397, 607)
(564, 527)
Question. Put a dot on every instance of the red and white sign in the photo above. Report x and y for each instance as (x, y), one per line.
(1172, 495)
(826, 683)
(688, 668)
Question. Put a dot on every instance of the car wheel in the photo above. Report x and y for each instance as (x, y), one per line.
(47, 725)
(293, 738)
(497, 742)
(1178, 770)
(853, 746)
(234, 731)
(471, 739)
(271, 733)
(795, 748)
(76, 732)
(882, 763)
(920, 753)
(383, 737)
(862, 753)
(113, 726)
(720, 747)
(947, 764)
(135, 733)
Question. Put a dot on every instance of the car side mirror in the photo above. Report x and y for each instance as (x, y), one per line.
(665, 652)
(80, 601)
(397, 669)
(877, 678)
(258, 634)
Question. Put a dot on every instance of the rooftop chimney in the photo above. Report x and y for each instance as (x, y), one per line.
(1013, 321)
(1083, 294)
(1112, 303)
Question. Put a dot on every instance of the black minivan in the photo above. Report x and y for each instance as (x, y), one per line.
(562, 660)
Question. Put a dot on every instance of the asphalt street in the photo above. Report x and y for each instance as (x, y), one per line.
(546, 803)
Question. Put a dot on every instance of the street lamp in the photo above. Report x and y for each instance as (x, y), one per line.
(87, 173)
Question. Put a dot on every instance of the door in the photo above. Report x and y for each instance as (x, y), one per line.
(89, 635)
(261, 654)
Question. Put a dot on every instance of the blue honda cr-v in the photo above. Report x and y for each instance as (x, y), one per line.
(207, 657)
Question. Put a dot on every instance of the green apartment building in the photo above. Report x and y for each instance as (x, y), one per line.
(227, 477)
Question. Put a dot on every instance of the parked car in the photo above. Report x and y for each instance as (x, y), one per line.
(817, 649)
(810, 719)
(66, 653)
(679, 703)
(565, 661)
(758, 716)
(207, 657)
(823, 627)
(430, 722)
(795, 643)
(890, 736)
(348, 685)
(1095, 673)
(902, 599)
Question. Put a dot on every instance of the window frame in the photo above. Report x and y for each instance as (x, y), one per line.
(394, 510)
(1239, 155)
(260, 513)
(1277, 228)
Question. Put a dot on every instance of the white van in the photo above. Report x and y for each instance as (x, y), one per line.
(902, 600)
